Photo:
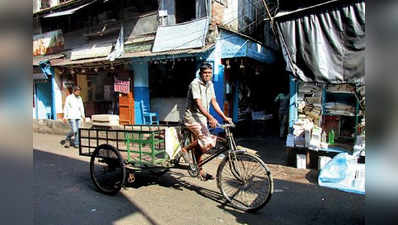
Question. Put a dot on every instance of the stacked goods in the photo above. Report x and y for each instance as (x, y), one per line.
(341, 88)
(337, 108)
(309, 101)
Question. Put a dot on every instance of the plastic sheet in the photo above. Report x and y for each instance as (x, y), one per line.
(344, 172)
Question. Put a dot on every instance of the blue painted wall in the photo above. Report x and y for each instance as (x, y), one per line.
(140, 93)
(235, 103)
(293, 99)
(218, 82)
(53, 84)
(141, 88)
(231, 45)
(234, 45)
(45, 88)
(44, 100)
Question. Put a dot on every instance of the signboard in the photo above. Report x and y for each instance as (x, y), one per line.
(48, 43)
(122, 86)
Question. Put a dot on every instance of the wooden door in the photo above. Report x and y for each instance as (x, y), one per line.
(126, 109)
(126, 103)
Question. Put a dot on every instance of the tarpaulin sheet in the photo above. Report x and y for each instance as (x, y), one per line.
(326, 44)
(181, 36)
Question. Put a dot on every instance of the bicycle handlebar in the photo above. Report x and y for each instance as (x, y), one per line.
(223, 126)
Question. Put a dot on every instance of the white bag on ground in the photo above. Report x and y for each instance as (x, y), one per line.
(344, 172)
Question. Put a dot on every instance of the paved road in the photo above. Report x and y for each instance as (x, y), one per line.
(64, 194)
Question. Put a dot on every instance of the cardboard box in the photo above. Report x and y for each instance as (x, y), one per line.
(105, 120)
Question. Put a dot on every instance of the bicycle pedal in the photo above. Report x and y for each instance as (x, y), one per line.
(193, 169)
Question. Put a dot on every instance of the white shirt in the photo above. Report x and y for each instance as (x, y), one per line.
(74, 108)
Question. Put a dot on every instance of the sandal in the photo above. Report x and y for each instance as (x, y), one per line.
(205, 176)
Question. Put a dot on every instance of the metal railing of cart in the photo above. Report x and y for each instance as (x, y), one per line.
(139, 145)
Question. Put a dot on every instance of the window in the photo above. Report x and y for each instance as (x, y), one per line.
(171, 79)
(185, 10)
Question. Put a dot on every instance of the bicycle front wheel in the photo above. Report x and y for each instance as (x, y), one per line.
(245, 182)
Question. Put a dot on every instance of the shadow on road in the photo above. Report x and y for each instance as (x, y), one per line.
(291, 203)
(64, 194)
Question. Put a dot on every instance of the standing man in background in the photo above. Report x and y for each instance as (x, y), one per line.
(74, 114)
(283, 113)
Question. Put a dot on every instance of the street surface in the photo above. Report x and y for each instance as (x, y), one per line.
(64, 194)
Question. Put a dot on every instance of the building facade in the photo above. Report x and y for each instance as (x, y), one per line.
(125, 53)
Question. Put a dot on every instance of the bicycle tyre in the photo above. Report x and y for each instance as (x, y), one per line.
(262, 194)
(107, 169)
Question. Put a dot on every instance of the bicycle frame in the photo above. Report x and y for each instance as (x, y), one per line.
(231, 150)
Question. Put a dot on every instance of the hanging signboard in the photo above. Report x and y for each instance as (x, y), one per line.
(122, 86)
(48, 43)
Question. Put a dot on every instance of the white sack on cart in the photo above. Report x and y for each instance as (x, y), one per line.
(173, 145)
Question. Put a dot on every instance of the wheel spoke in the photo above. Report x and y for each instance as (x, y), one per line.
(254, 188)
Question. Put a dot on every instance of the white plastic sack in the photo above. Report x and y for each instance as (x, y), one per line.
(344, 173)
(173, 145)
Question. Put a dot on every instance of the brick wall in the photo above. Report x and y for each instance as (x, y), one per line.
(217, 13)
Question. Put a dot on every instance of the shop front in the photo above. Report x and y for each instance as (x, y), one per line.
(106, 88)
(161, 84)
(327, 88)
(247, 79)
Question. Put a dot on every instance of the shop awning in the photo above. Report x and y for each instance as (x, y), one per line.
(94, 50)
(141, 54)
(37, 59)
(233, 45)
(69, 11)
(181, 36)
(68, 62)
(168, 54)
(325, 44)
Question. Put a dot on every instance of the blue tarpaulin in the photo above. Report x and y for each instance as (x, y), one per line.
(344, 172)
(234, 45)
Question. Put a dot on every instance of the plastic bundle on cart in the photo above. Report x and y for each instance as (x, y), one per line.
(173, 145)
(344, 172)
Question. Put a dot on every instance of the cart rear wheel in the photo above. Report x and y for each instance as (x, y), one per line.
(245, 182)
(107, 169)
